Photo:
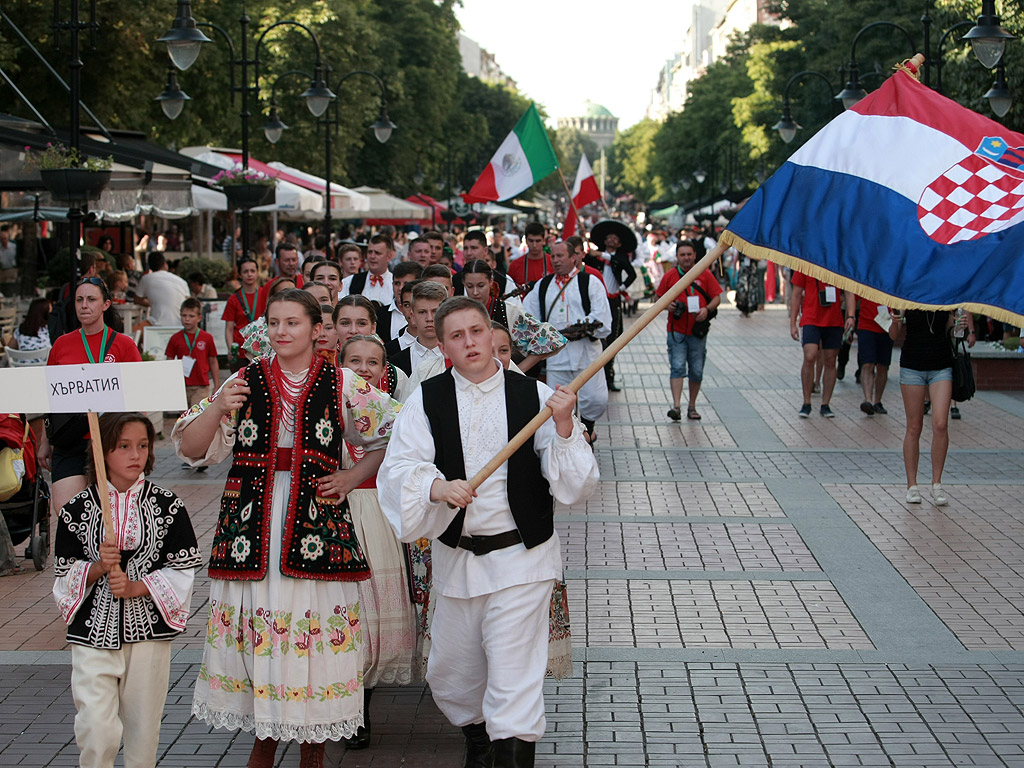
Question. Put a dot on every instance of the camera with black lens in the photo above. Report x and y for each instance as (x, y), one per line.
(678, 308)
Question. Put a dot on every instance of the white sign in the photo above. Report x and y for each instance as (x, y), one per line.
(155, 338)
(71, 385)
(213, 310)
(693, 304)
(151, 386)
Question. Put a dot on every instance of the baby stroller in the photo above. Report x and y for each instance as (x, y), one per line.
(27, 511)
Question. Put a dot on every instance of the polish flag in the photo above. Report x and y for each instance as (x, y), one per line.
(584, 192)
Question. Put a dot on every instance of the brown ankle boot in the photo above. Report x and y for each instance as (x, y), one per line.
(311, 755)
(262, 755)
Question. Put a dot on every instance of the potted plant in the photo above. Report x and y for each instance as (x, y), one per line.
(246, 187)
(69, 175)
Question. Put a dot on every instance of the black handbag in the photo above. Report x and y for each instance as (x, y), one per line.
(963, 374)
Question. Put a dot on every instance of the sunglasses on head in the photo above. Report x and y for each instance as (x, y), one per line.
(97, 282)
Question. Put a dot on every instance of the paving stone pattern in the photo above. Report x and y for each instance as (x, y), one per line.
(749, 589)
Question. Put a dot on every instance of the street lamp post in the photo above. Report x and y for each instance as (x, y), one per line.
(184, 41)
(274, 128)
(787, 126)
(75, 26)
(382, 130)
(987, 38)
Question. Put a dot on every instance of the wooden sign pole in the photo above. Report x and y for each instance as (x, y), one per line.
(101, 479)
(613, 349)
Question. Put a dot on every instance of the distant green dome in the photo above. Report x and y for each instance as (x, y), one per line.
(597, 110)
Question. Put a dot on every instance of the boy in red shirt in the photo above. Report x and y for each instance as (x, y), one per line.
(196, 349)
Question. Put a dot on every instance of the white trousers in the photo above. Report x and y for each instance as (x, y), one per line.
(592, 397)
(119, 693)
(487, 659)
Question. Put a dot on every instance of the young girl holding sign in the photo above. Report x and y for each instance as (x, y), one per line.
(123, 600)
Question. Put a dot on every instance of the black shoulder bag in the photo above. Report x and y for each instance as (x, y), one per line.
(963, 374)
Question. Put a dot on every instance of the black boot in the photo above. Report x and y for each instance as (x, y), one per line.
(362, 738)
(514, 753)
(479, 752)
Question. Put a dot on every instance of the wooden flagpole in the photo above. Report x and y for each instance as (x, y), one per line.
(613, 349)
(101, 479)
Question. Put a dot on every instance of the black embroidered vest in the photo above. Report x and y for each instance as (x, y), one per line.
(318, 539)
(529, 495)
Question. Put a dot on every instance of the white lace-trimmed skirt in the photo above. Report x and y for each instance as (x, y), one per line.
(387, 615)
(282, 658)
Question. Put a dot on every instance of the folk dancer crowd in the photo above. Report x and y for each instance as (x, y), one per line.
(326, 583)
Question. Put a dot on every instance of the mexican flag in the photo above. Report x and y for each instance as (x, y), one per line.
(524, 158)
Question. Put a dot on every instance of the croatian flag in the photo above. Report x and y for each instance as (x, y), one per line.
(908, 199)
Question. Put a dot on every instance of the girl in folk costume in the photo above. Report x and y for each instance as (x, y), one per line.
(354, 315)
(123, 600)
(386, 611)
(282, 657)
(533, 339)
(327, 343)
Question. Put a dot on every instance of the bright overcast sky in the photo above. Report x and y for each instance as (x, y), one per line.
(563, 52)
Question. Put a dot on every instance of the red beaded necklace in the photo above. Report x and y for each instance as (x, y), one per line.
(290, 391)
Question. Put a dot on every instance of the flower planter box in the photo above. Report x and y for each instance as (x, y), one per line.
(997, 369)
(74, 185)
(247, 196)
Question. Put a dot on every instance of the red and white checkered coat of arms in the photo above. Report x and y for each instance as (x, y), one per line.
(981, 194)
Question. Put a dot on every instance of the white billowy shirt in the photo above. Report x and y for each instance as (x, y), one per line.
(567, 310)
(408, 472)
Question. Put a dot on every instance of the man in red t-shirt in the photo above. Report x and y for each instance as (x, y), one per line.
(536, 263)
(815, 318)
(196, 349)
(687, 350)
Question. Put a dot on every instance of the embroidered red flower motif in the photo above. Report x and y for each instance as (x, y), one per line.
(363, 423)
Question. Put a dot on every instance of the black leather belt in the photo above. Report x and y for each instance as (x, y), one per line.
(481, 545)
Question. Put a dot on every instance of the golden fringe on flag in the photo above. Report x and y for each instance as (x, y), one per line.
(813, 270)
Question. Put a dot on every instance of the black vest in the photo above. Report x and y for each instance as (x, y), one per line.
(529, 495)
(358, 283)
(319, 541)
(401, 359)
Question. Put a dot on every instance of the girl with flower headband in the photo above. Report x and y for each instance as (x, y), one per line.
(283, 656)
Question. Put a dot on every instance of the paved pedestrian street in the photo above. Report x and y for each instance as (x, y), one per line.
(745, 590)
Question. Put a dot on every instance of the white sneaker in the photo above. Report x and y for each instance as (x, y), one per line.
(939, 495)
(913, 495)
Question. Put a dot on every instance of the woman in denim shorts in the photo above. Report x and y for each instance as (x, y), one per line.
(926, 373)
